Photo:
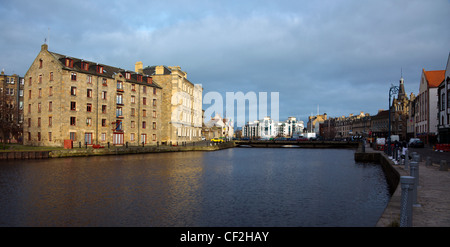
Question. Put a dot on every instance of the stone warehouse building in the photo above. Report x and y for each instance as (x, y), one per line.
(89, 103)
(11, 107)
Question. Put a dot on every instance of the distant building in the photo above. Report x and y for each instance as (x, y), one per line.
(353, 126)
(444, 106)
(313, 125)
(267, 128)
(11, 107)
(223, 126)
(427, 105)
(400, 112)
(379, 124)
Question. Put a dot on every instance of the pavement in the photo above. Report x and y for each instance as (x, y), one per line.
(433, 192)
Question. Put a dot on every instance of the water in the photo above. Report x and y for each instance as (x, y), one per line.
(232, 187)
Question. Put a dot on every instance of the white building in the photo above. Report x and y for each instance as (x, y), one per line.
(226, 125)
(268, 128)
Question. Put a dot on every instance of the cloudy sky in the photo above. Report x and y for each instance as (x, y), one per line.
(340, 56)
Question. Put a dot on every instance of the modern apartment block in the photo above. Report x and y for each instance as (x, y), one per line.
(11, 107)
(68, 98)
(181, 107)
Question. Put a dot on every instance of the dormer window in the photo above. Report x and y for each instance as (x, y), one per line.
(139, 78)
(69, 63)
(149, 80)
(99, 69)
(84, 66)
(128, 75)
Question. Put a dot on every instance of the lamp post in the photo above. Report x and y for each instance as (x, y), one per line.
(393, 90)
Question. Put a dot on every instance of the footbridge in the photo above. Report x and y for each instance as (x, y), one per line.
(295, 144)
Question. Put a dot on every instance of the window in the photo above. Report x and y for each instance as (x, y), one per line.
(39, 107)
(103, 137)
(50, 136)
(73, 136)
(119, 99)
(133, 87)
(29, 94)
(73, 91)
(50, 106)
(84, 66)
(104, 95)
(88, 138)
(40, 92)
(144, 89)
(144, 113)
(73, 121)
(119, 125)
(154, 137)
(133, 124)
(154, 102)
(154, 125)
(149, 80)
(128, 75)
(103, 122)
(30, 81)
(103, 108)
(89, 79)
(143, 138)
(73, 106)
(139, 78)
(50, 91)
(104, 82)
(39, 136)
(39, 122)
(154, 90)
(51, 76)
(40, 79)
(144, 124)
(50, 121)
(29, 108)
(120, 85)
(89, 93)
(119, 112)
(69, 62)
(40, 63)
(144, 101)
(88, 121)
(29, 122)
(154, 114)
(99, 69)
(133, 112)
(133, 99)
(132, 137)
(89, 107)
(73, 76)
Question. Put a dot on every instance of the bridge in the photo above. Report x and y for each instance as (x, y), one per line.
(295, 144)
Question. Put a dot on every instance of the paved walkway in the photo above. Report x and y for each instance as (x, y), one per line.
(433, 194)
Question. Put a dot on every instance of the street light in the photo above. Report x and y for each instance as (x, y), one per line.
(392, 90)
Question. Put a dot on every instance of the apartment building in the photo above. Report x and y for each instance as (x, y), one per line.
(11, 107)
(426, 105)
(181, 103)
(68, 98)
(444, 106)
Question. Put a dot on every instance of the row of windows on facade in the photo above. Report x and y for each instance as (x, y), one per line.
(89, 94)
(10, 80)
(89, 80)
(73, 122)
(88, 137)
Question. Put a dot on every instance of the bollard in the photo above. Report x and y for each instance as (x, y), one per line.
(407, 183)
(443, 166)
(407, 160)
(414, 173)
(428, 162)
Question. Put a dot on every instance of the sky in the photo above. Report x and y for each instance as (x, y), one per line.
(333, 57)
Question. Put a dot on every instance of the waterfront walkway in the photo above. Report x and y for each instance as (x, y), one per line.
(433, 194)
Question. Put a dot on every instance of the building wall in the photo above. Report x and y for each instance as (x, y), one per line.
(53, 114)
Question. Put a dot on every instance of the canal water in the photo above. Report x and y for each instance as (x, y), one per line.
(232, 187)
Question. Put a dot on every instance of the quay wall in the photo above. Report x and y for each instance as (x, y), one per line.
(79, 152)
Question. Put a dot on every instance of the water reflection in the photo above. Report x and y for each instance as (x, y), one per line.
(233, 187)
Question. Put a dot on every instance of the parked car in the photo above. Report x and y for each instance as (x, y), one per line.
(217, 140)
(416, 144)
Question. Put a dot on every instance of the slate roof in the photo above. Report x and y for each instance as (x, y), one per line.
(108, 71)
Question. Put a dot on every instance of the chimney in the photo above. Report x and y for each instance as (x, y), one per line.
(139, 67)
(159, 70)
(44, 47)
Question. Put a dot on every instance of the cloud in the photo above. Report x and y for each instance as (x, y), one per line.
(341, 55)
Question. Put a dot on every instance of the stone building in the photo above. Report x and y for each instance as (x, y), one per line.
(400, 112)
(181, 116)
(11, 107)
(68, 98)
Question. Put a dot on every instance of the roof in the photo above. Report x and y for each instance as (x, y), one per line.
(434, 77)
(108, 71)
